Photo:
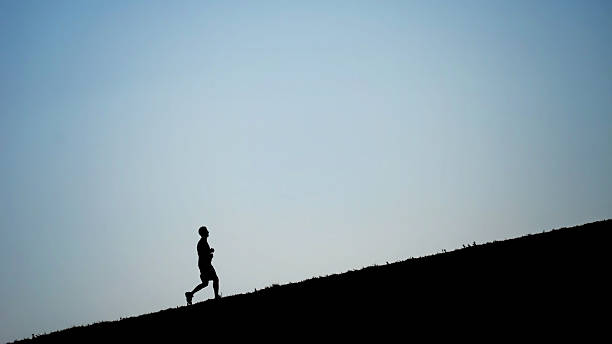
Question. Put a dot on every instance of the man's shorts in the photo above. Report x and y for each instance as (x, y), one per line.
(208, 274)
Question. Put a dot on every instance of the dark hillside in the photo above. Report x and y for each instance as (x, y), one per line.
(517, 284)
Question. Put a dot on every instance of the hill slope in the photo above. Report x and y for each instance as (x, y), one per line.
(558, 275)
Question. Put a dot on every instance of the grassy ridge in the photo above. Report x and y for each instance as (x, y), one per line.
(559, 275)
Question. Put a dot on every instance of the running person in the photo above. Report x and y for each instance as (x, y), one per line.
(207, 272)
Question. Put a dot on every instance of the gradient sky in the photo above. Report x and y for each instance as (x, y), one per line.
(310, 137)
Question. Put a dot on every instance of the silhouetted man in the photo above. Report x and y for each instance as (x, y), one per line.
(207, 272)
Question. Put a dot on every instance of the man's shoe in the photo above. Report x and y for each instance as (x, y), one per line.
(189, 297)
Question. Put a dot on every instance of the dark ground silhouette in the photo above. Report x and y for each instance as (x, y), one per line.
(539, 286)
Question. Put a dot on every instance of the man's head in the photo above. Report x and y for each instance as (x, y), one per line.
(203, 232)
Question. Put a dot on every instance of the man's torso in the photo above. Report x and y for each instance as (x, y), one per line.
(204, 255)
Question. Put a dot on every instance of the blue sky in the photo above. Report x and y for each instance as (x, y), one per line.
(310, 137)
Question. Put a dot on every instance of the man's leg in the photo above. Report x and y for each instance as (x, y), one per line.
(204, 284)
(199, 287)
(215, 280)
(216, 287)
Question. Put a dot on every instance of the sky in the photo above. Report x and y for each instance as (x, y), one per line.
(310, 137)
